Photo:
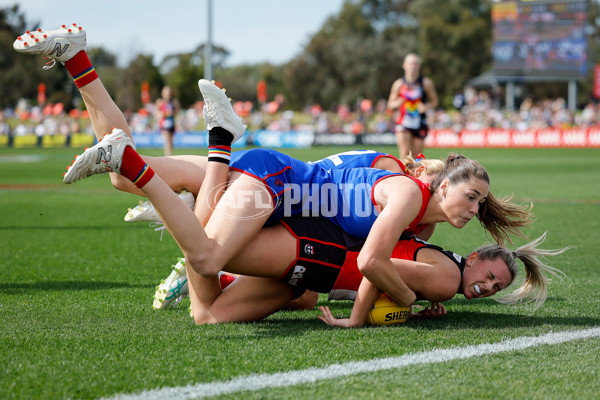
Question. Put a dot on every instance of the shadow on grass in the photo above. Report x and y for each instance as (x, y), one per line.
(269, 328)
(476, 317)
(459, 320)
(71, 227)
(22, 288)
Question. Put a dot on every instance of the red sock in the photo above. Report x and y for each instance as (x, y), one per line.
(135, 168)
(226, 280)
(81, 69)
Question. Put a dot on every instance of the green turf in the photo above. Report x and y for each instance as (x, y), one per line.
(77, 283)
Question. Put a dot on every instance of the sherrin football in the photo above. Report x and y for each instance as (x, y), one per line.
(387, 312)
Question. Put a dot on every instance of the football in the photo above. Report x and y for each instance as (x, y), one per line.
(387, 312)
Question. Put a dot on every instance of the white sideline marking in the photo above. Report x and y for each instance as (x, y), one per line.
(262, 381)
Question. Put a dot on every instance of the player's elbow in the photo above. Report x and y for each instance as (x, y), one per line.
(367, 264)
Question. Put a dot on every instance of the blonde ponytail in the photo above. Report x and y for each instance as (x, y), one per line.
(535, 286)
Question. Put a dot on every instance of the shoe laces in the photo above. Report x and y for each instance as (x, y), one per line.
(49, 64)
(178, 300)
(158, 226)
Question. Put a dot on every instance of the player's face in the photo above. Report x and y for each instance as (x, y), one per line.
(411, 65)
(460, 201)
(483, 278)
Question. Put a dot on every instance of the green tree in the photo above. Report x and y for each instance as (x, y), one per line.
(454, 41)
(181, 71)
(329, 69)
(183, 78)
(356, 54)
(140, 69)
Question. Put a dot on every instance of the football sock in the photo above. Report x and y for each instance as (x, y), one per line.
(81, 69)
(219, 145)
(135, 168)
(226, 280)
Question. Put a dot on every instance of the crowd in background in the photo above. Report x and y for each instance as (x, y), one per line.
(475, 110)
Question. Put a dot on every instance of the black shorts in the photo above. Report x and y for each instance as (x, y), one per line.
(417, 133)
(420, 133)
(320, 254)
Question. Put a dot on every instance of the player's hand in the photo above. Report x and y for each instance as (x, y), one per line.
(330, 320)
(435, 311)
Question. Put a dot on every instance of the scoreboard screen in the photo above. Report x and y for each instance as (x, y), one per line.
(539, 38)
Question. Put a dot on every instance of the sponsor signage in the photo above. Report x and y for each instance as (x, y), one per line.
(442, 138)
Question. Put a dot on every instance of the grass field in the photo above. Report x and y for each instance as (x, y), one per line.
(76, 320)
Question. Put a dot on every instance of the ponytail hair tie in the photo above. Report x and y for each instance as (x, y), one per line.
(514, 254)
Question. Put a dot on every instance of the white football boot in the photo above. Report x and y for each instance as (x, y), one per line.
(58, 45)
(105, 156)
(174, 288)
(218, 111)
(145, 210)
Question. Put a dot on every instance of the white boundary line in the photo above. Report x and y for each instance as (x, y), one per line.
(290, 378)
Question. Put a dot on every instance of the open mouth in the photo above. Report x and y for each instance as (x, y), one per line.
(477, 289)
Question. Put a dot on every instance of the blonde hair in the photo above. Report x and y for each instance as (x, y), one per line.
(535, 286)
(432, 167)
(500, 217)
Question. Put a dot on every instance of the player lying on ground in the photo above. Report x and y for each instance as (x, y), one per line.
(189, 233)
(67, 45)
(175, 286)
(299, 254)
(458, 194)
(161, 196)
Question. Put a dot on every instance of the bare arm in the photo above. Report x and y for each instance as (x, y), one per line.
(432, 97)
(433, 276)
(394, 100)
(365, 298)
(401, 201)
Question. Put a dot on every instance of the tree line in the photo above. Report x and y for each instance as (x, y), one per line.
(356, 54)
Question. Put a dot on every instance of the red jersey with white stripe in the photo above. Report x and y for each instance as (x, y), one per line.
(326, 257)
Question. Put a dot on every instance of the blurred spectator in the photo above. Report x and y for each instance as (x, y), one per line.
(412, 96)
(167, 107)
(478, 113)
(4, 127)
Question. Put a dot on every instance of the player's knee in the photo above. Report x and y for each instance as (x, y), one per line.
(307, 301)
(202, 264)
(202, 317)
